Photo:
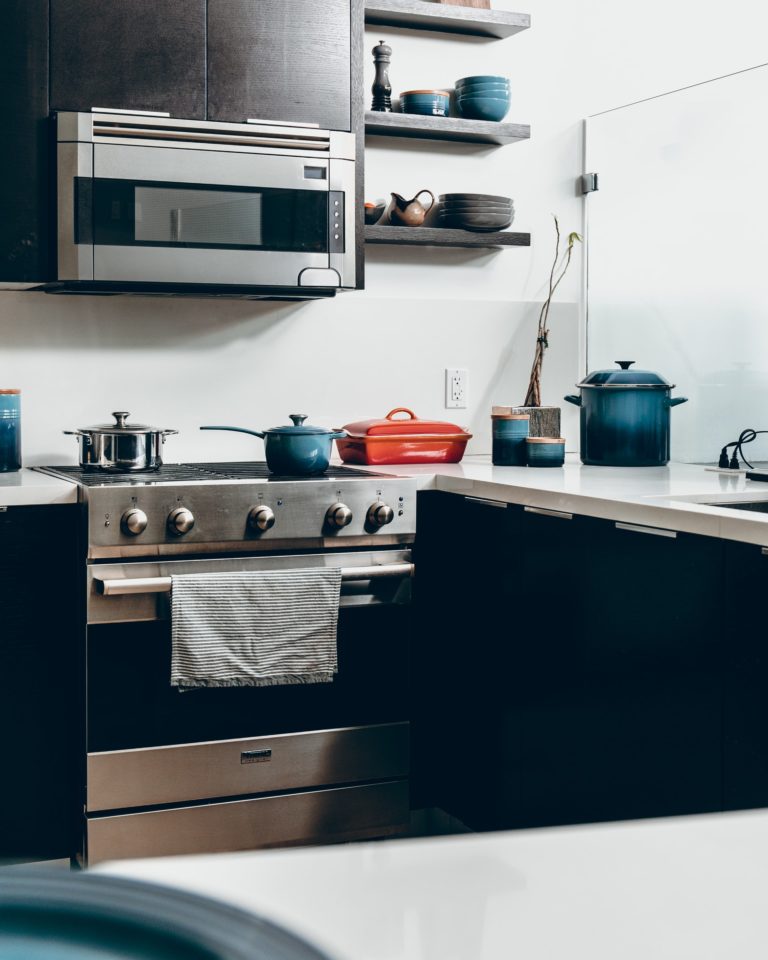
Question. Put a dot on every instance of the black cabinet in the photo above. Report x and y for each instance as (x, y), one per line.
(745, 694)
(129, 54)
(280, 60)
(41, 713)
(571, 669)
(24, 159)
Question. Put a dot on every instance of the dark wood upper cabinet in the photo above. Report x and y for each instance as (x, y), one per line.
(24, 175)
(129, 54)
(280, 60)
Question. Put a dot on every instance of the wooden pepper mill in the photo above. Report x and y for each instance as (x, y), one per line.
(382, 88)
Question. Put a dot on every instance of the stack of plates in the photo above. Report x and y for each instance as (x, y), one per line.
(480, 212)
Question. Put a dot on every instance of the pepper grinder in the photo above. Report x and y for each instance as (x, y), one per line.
(382, 88)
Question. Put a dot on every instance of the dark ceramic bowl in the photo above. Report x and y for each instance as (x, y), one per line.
(477, 224)
(374, 211)
(477, 207)
(483, 108)
(474, 196)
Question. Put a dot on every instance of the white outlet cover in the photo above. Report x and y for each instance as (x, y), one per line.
(456, 388)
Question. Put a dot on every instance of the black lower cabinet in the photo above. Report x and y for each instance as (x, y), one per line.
(570, 671)
(41, 717)
(745, 694)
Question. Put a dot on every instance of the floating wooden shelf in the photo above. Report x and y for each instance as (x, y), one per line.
(420, 15)
(444, 128)
(444, 237)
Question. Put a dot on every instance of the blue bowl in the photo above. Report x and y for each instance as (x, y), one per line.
(483, 91)
(483, 108)
(480, 78)
(425, 104)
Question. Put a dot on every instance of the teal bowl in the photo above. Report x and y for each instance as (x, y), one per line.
(545, 451)
(483, 108)
(484, 85)
(425, 104)
(480, 78)
(484, 92)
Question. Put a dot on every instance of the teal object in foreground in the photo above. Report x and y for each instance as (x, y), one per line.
(57, 915)
(509, 435)
(294, 451)
(545, 451)
(483, 108)
(10, 431)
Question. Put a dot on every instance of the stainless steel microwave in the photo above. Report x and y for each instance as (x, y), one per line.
(149, 204)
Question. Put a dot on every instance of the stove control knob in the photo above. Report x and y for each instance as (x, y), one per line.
(180, 521)
(261, 518)
(338, 515)
(133, 522)
(379, 515)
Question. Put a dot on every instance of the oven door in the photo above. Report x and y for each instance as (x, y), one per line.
(240, 768)
(172, 215)
(132, 705)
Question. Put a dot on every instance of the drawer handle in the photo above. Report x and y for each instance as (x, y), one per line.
(545, 512)
(500, 504)
(653, 531)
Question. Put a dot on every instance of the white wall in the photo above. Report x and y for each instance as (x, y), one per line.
(184, 363)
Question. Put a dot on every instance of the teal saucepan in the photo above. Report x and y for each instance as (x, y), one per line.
(299, 450)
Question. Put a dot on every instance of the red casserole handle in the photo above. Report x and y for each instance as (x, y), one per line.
(391, 414)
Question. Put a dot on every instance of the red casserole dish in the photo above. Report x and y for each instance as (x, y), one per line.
(408, 440)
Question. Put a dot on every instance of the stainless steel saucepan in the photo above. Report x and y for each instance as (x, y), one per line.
(121, 447)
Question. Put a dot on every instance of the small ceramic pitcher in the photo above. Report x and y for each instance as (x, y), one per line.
(408, 213)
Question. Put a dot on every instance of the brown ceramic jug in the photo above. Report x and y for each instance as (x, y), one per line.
(409, 213)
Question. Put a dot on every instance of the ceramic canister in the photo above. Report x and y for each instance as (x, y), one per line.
(10, 431)
(545, 451)
(510, 431)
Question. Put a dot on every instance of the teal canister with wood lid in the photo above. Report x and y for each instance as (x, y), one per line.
(510, 431)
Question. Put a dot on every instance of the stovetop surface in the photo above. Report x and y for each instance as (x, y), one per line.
(197, 472)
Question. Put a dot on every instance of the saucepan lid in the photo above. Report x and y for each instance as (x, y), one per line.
(121, 425)
(625, 377)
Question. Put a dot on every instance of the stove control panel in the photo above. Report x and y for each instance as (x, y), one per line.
(258, 513)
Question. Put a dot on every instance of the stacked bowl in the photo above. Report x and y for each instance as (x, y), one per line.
(426, 103)
(479, 212)
(483, 97)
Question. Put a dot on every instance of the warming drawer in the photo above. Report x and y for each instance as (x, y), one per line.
(120, 779)
(342, 814)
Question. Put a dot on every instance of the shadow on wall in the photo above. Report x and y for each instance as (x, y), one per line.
(38, 320)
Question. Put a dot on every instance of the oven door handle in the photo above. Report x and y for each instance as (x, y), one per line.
(119, 586)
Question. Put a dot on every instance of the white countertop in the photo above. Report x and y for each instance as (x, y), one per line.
(673, 497)
(27, 488)
(688, 888)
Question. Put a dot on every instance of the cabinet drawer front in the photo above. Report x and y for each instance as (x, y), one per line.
(347, 813)
(120, 779)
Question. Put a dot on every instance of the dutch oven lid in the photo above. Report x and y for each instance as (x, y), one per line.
(624, 377)
(121, 426)
(47, 915)
(299, 428)
(410, 426)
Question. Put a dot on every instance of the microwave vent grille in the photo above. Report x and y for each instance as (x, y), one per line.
(194, 135)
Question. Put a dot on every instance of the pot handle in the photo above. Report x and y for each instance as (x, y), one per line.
(572, 398)
(338, 435)
(253, 433)
(391, 414)
(674, 401)
(79, 433)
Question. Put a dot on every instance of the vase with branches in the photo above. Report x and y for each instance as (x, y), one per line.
(560, 265)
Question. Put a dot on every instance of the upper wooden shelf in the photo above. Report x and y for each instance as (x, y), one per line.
(421, 15)
(443, 237)
(444, 128)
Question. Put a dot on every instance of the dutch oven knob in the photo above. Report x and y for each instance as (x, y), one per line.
(120, 417)
(625, 364)
(298, 418)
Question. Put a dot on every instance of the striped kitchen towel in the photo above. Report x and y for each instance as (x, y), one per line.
(254, 628)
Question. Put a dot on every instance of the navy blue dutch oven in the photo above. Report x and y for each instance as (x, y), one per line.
(625, 417)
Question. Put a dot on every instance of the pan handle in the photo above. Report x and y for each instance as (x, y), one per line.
(253, 433)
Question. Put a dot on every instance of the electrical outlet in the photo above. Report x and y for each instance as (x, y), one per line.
(456, 388)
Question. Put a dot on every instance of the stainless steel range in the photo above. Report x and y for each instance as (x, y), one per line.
(242, 767)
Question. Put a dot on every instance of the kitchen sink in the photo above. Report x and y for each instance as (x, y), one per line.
(755, 506)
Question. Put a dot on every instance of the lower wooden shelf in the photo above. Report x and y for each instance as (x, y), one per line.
(443, 237)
